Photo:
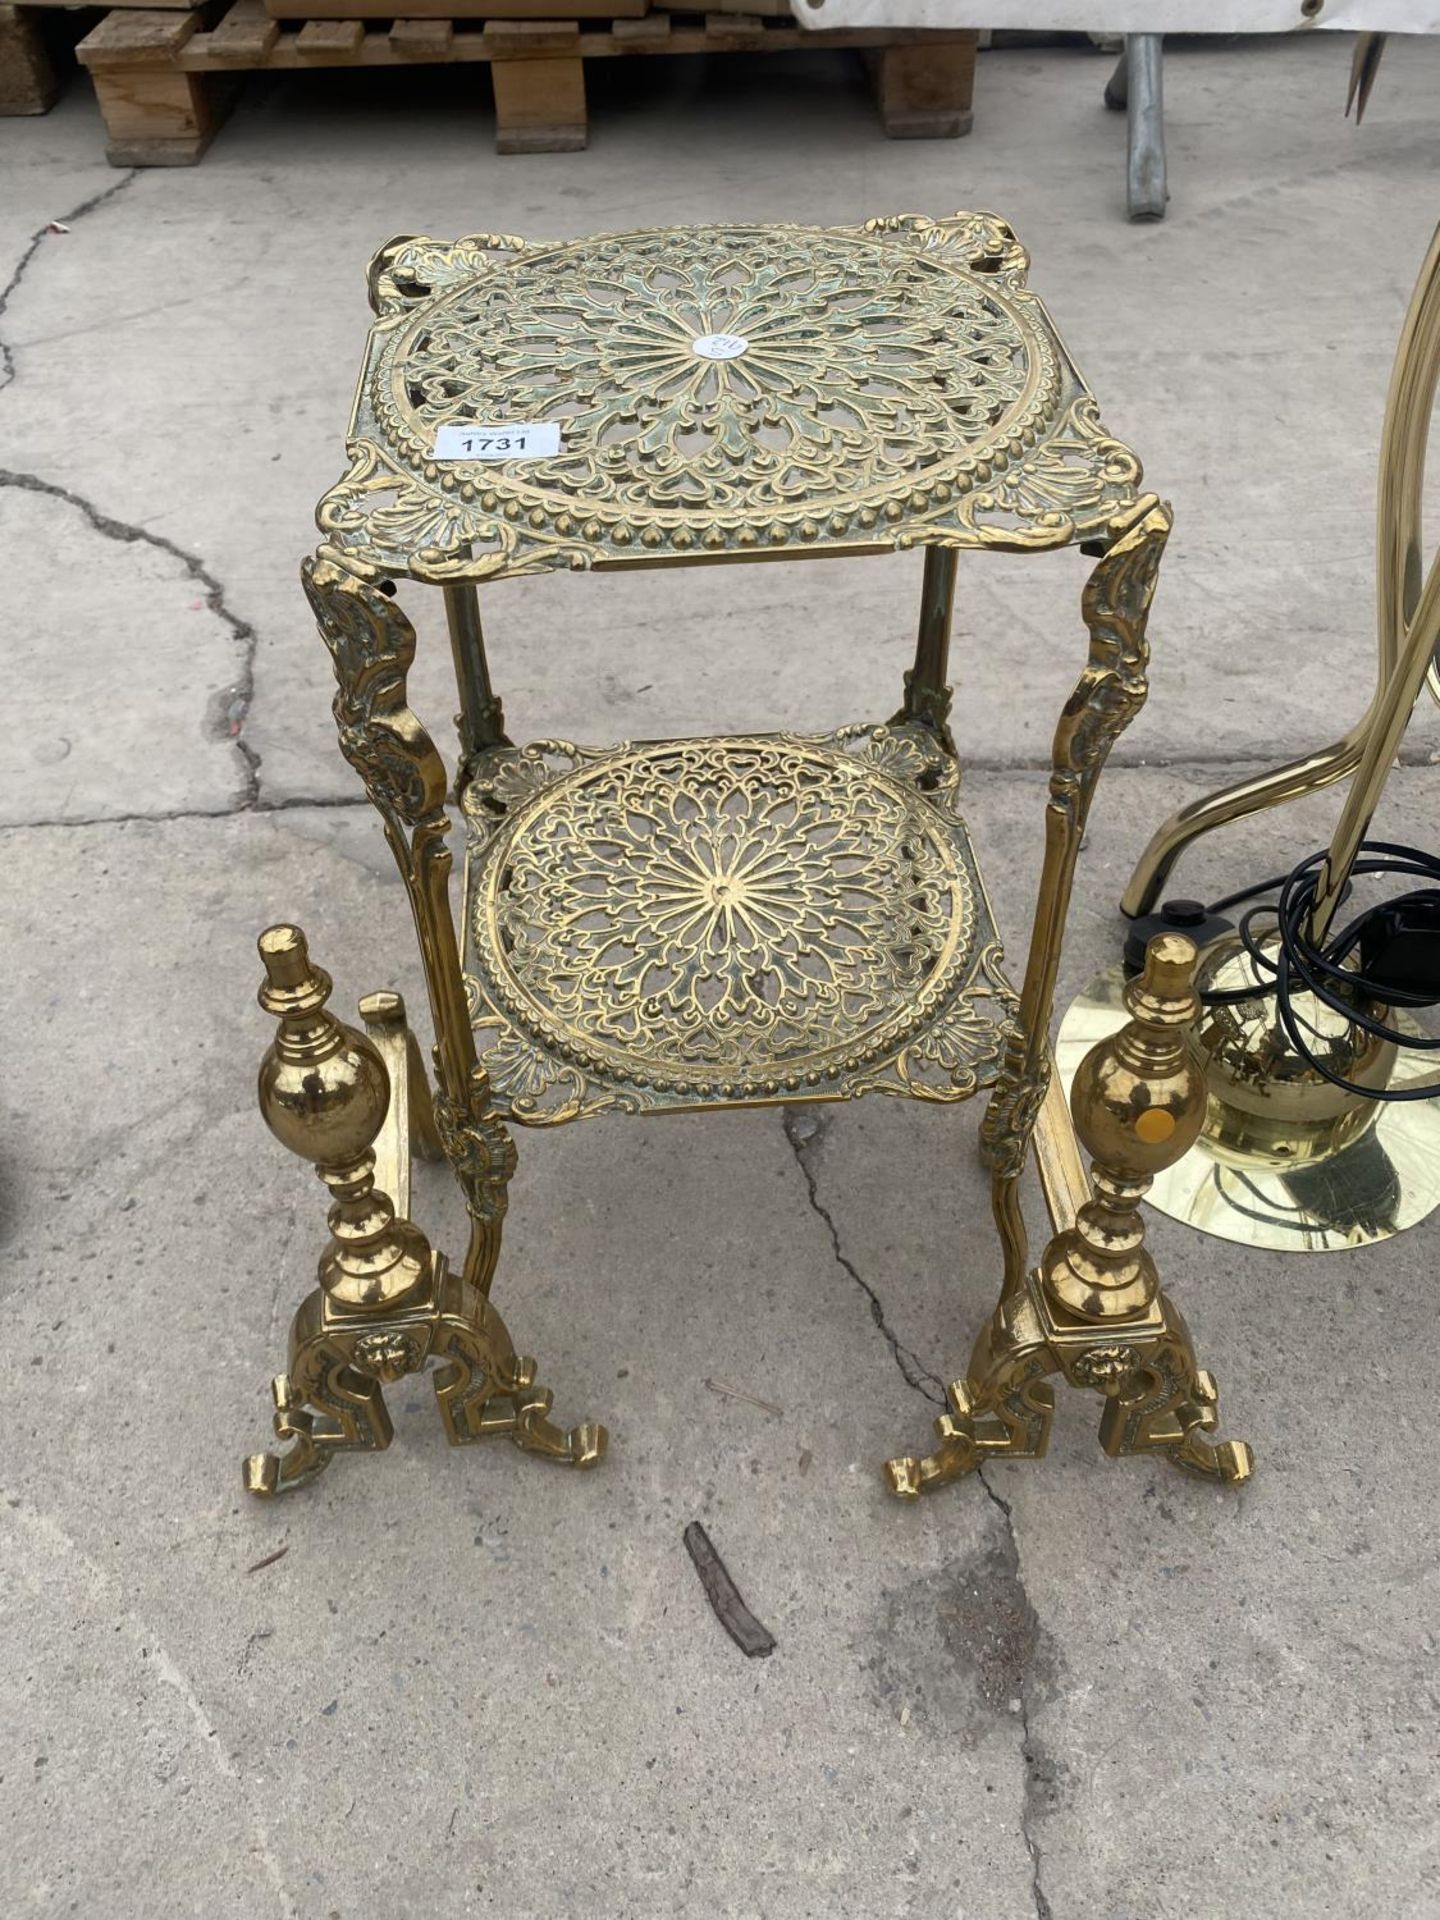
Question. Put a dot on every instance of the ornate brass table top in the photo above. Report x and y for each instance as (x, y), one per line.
(721, 393)
(706, 923)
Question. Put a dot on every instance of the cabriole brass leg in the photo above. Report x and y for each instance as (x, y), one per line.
(1110, 692)
(372, 645)
(1093, 1310)
(387, 1303)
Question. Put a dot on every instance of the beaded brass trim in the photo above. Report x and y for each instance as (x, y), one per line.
(727, 923)
(878, 386)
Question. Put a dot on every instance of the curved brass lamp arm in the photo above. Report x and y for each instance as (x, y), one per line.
(372, 645)
(1312, 773)
(1407, 604)
(1398, 572)
(1409, 409)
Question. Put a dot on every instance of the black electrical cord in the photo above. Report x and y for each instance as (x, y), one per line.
(1399, 942)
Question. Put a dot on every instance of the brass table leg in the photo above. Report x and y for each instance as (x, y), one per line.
(1093, 1311)
(481, 719)
(1108, 695)
(372, 645)
(927, 693)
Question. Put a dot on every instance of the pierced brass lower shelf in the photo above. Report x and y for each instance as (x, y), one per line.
(727, 923)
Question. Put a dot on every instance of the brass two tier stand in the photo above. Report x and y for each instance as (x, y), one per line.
(759, 920)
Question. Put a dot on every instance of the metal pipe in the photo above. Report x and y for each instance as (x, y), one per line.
(1146, 188)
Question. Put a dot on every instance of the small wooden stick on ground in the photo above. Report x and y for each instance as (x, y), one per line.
(724, 1596)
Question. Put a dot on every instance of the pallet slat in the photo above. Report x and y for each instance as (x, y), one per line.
(147, 6)
(142, 38)
(421, 39)
(539, 81)
(527, 39)
(744, 29)
(472, 42)
(330, 42)
(633, 35)
(455, 10)
(924, 92)
(244, 37)
(780, 9)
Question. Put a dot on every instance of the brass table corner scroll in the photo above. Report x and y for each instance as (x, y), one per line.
(651, 926)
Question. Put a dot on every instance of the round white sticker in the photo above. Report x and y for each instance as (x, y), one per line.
(720, 346)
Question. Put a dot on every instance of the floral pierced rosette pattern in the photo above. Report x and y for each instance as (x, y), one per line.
(714, 393)
(723, 920)
(766, 373)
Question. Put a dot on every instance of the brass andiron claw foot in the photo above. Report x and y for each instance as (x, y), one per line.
(1093, 1311)
(387, 1303)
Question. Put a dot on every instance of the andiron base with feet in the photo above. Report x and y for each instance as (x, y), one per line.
(387, 1303)
(1093, 1311)
(1156, 1399)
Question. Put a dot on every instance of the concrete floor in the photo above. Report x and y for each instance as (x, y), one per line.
(474, 1684)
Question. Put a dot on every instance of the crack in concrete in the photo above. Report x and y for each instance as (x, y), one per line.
(1030, 1804)
(37, 240)
(237, 697)
(803, 1131)
(234, 701)
(294, 803)
(915, 1372)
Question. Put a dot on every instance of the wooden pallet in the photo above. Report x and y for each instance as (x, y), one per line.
(161, 77)
(27, 73)
(593, 12)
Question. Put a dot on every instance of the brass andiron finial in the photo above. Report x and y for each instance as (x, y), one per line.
(386, 1302)
(324, 1093)
(1138, 1100)
(1094, 1310)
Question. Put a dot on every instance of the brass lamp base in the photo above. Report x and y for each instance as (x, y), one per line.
(1326, 1172)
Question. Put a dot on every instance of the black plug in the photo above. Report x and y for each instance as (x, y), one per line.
(1400, 949)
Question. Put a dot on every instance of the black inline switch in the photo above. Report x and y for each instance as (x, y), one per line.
(1190, 917)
